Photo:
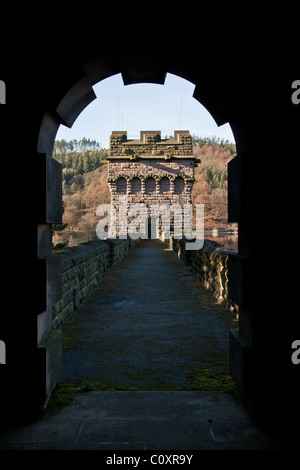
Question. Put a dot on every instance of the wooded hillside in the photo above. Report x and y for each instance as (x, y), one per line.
(211, 180)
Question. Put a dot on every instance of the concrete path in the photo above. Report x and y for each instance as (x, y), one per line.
(153, 347)
(149, 326)
(155, 421)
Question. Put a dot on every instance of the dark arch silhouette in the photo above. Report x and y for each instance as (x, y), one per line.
(260, 349)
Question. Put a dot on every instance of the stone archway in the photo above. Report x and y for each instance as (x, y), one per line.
(134, 69)
(234, 99)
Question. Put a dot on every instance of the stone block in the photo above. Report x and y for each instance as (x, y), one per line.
(202, 94)
(47, 134)
(49, 190)
(75, 100)
(138, 69)
(241, 362)
(50, 356)
(238, 279)
(2, 92)
(234, 189)
(44, 240)
(48, 283)
(100, 68)
(83, 267)
(44, 325)
(54, 280)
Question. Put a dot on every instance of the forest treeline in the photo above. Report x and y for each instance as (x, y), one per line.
(64, 147)
(211, 141)
(84, 174)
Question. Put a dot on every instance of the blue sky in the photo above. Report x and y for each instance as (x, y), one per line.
(133, 108)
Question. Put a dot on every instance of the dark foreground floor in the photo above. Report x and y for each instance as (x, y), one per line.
(172, 421)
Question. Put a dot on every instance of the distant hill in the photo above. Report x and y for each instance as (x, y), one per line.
(211, 181)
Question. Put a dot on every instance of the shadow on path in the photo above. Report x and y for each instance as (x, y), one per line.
(149, 326)
(153, 337)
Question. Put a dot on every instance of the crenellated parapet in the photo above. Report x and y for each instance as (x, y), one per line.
(151, 144)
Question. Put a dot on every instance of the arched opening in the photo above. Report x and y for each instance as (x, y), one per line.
(252, 111)
(121, 185)
(136, 185)
(124, 115)
(165, 186)
(150, 186)
(126, 159)
(179, 185)
(224, 103)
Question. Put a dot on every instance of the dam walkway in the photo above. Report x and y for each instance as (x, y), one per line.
(145, 367)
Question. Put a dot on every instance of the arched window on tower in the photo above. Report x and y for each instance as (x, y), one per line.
(150, 185)
(136, 185)
(165, 186)
(121, 185)
(178, 185)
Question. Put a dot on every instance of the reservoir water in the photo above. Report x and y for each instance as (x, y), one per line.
(226, 238)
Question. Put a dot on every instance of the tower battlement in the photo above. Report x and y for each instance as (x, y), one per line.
(151, 143)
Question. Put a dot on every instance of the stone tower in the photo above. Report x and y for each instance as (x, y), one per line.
(151, 170)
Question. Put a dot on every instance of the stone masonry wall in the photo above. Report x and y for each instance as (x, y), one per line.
(151, 170)
(210, 266)
(84, 266)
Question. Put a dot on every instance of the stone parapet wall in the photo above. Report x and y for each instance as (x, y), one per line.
(150, 142)
(210, 265)
(83, 269)
(118, 248)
